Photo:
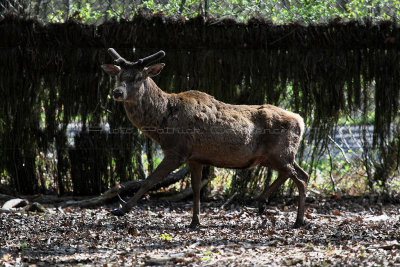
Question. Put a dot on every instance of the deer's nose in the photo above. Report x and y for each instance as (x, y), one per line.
(117, 93)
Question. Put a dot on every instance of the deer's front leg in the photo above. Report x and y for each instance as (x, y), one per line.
(167, 165)
(196, 173)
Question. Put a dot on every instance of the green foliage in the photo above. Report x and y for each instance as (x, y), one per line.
(165, 237)
(347, 120)
(280, 12)
(381, 9)
(86, 12)
(341, 177)
(306, 11)
(25, 247)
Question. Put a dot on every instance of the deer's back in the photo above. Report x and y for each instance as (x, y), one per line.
(203, 111)
(245, 133)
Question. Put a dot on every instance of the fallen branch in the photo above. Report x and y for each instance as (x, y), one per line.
(125, 188)
(183, 194)
(52, 199)
(4, 197)
(386, 247)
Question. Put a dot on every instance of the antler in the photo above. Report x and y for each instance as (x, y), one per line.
(144, 61)
(118, 60)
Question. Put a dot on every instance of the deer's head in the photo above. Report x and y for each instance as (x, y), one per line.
(131, 75)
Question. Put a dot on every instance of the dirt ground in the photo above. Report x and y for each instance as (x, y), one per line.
(341, 232)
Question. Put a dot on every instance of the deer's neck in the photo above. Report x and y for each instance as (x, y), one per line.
(147, 106)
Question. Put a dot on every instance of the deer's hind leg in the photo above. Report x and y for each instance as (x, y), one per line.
(300, 177)
(282, 177)
(196, 173)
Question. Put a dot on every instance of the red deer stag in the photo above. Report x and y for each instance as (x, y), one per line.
(194, 128)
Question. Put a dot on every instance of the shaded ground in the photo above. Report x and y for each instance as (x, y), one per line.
(338, 232)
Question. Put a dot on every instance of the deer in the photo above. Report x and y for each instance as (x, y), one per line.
(194, 128)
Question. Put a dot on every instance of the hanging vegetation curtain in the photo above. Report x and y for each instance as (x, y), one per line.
(52, 85)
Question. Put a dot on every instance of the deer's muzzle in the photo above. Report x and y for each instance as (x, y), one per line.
(118, 94)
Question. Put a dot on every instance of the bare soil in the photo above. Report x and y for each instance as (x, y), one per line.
(338, 232)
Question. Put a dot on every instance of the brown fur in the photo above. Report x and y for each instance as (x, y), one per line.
(215, 129)
(193, 127)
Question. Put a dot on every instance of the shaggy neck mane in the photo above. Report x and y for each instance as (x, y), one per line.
(147, 106)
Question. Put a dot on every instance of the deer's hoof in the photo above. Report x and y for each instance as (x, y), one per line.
(261, 203)
(261, 210)
(298, 224)
(118, 212)
(194, 225)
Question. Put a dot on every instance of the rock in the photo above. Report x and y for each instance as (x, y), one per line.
(15, 203)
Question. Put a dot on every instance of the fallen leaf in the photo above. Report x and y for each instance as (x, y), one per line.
(6, 257)
(336, 213)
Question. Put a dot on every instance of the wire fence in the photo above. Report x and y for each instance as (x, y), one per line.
(304, 11)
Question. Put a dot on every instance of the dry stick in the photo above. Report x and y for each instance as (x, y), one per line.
(366, 159)
(354, 140)
(331, 170)
(358, 144)
(385, 247)
(120, 199)
(364, 148)
(340, 148)
(183, 194)
(229, 200)
(345, 156)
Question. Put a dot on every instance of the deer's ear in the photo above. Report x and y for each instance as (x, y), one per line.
(154, 70)
(111, 69)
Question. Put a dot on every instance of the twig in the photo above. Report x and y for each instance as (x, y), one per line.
(331, 170)
(385, 247)
(340, 148)
(229, 200)
(345, 156)
(120, 198)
